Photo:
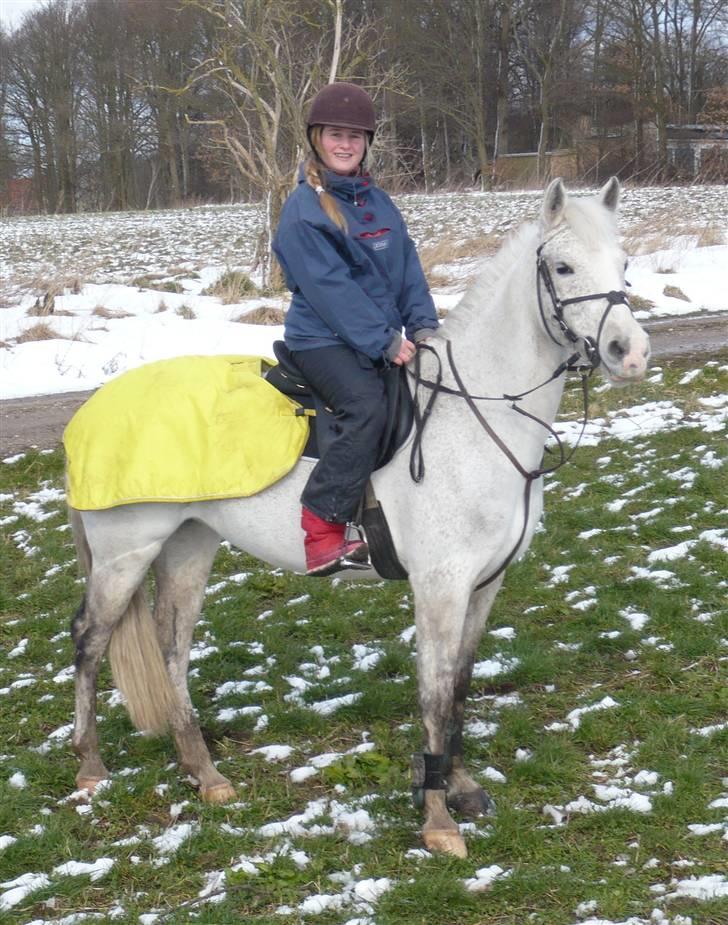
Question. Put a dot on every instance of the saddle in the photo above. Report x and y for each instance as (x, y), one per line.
(288, 379)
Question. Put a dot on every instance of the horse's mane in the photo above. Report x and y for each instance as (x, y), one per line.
(586, 217)
(493, 273)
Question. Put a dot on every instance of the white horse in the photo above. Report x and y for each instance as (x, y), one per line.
(553, 293)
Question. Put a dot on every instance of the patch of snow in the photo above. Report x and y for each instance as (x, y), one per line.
(16, 890)
(95, 870)
(274, 752)
(485, 877)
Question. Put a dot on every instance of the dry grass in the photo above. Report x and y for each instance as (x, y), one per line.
(650, 235)
(57, 285)
(162, 307)
(158, 281)
(43, 306)
(675, 292)
(448, 250)
(711, 235)
(660, 231)
(184, 311)
(233, 286)
(42, 310)
(182, 273)
(148, 281)
(101, 312)
(639, 303)
(263, 314)
(40, 331)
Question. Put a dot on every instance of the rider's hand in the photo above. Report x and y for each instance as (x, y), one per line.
(406, 352)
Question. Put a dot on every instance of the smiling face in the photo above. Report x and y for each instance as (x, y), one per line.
(342, 149)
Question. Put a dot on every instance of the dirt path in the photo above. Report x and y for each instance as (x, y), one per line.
(39, 421)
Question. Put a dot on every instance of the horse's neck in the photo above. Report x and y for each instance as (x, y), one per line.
(499, 343)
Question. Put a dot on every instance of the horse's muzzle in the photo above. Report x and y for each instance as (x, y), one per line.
(625, 360)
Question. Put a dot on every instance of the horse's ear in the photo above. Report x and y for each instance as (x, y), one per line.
(609, 194)
(553, 203)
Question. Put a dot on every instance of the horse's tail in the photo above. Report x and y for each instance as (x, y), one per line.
(139, 669)
(137, 663)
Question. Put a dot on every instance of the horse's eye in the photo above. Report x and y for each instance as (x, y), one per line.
(626, 265)
(564, 269)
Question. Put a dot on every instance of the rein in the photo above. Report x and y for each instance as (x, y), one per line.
(593, 356)
(417, 467)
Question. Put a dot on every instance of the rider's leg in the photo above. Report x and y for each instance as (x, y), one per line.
(351, 385)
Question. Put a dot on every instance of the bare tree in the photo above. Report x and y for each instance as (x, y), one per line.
(504, 11)
(112, 108)
(43, 98)
(547, 38)
(267, 61)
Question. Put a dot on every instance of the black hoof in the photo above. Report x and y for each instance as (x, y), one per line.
(471, 805)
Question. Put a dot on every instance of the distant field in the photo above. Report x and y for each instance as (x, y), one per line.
(119, 247)
(597, 719)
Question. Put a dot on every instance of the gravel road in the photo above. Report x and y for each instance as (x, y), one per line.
(39, 421)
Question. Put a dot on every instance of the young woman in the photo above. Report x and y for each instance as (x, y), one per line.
(360, 303)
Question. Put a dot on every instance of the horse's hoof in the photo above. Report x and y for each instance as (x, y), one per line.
(89, 783)
(471, 805)
(445, 841)
(220, 793)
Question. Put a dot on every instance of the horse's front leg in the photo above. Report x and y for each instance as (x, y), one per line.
(440, 617)
(464, 794)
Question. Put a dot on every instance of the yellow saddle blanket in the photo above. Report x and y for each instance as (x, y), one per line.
(191, 428)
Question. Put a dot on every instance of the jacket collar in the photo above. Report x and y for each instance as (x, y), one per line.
(347, 187)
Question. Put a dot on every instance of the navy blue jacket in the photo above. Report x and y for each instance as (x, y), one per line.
(359, 287)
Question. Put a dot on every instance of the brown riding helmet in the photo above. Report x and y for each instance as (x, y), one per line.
(344, 105)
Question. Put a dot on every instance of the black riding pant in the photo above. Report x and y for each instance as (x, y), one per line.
(350, 384)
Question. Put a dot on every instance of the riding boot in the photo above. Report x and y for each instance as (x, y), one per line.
(327, 548)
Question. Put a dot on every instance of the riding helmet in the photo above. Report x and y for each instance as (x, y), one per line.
(345, 105)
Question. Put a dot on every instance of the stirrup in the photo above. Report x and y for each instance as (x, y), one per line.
(356, 559)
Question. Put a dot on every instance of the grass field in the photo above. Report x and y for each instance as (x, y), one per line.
(597, 719)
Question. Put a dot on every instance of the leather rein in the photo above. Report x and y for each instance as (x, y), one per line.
(593, 357)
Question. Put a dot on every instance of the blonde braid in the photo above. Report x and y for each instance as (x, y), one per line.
(315, 181)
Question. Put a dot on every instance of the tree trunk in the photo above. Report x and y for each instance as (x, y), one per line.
(337, 42)
(659, 88)
(500, 145)
(423, 141)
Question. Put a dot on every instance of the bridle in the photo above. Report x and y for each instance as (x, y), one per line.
(590, 344)
(574, 363)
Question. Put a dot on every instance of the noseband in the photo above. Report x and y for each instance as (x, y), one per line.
(591, 344)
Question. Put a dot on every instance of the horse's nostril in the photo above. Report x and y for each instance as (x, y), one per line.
(616, 350)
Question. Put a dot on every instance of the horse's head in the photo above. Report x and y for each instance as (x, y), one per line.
(581, 282)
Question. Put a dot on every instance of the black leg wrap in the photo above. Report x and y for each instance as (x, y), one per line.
(428, 773)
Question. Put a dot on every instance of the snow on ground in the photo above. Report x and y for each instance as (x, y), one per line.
(112, 314)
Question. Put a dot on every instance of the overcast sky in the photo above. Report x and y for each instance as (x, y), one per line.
(12, 11)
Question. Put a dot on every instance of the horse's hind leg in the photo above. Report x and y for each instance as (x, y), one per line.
(110, 592)
(181, 570)
(464, 794)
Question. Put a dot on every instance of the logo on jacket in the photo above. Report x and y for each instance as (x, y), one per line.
(381, 238)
